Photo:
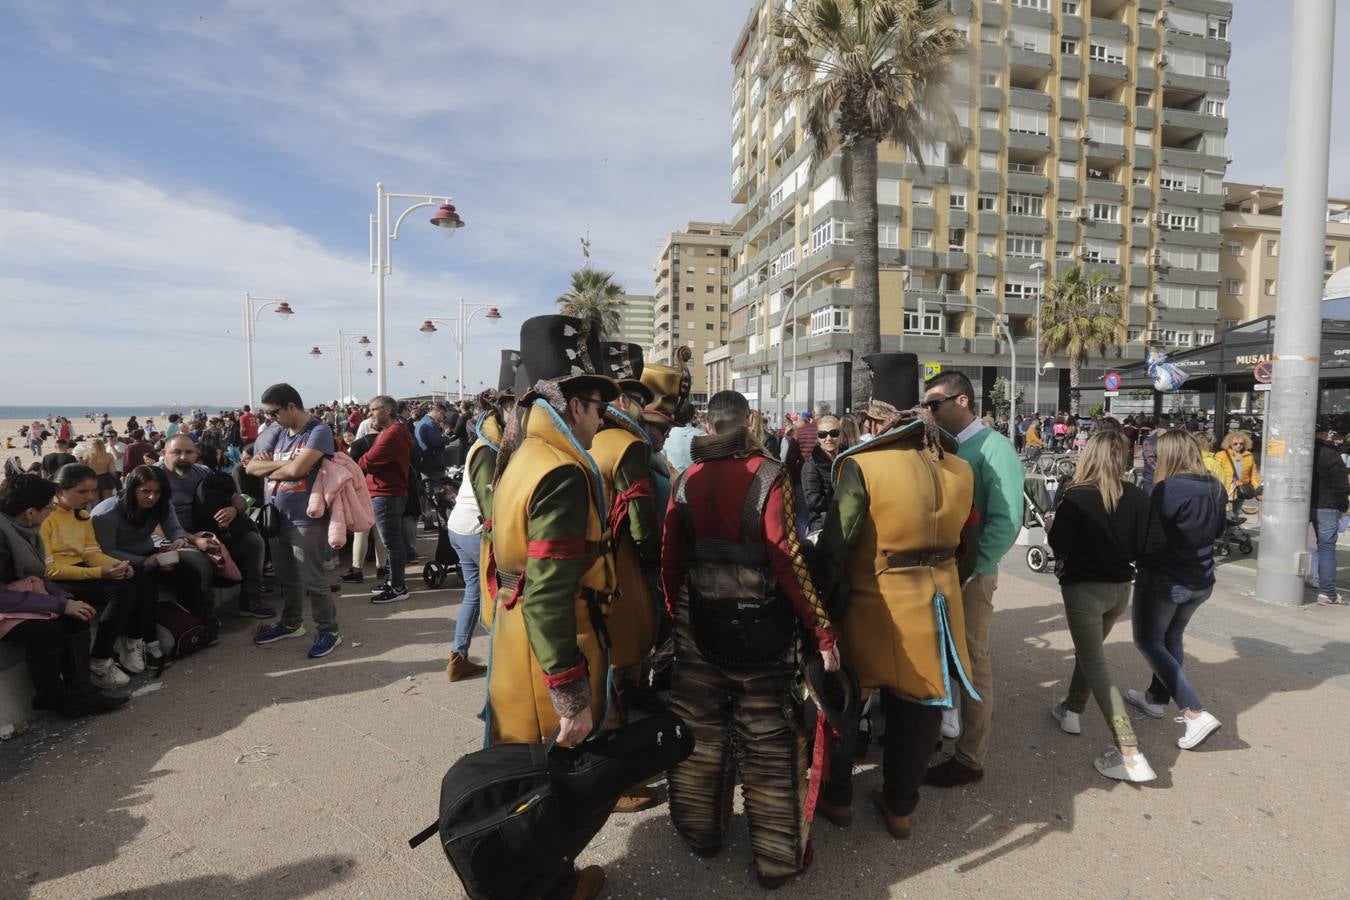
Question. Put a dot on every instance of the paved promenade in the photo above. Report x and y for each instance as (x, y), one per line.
(254, 772)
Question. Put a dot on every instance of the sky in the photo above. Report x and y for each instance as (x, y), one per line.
(162, 158)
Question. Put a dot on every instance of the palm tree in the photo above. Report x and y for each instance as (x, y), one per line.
(594, 295)
(867, 71)
(1080, 313)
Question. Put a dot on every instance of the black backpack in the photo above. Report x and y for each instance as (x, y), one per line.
(514, 817)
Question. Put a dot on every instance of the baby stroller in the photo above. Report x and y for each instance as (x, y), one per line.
(440, 493)
(1234, 538)
(1035, 523)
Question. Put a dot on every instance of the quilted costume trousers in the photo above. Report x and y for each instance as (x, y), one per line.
(739, 725)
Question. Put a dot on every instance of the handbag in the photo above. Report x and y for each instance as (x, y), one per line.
(268, 519)
(224, 565)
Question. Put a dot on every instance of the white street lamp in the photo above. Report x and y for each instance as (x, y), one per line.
(253, 307)
(1039, 268)
(381, 236)
(459, 326)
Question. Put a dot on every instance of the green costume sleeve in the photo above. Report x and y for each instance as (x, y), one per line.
(642, 522)
(548, 600)
(481, 466)
(843, 524)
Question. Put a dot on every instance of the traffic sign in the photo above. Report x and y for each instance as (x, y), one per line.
(931, 370)
(1111, 382)
(1262, 372)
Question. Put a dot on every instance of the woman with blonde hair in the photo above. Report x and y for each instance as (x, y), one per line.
(1237, 467)
(817, 471)
(1097, 534)
(1176, 575)
(104, 466)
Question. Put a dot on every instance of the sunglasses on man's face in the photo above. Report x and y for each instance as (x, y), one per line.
(936, 403)
(830, 434)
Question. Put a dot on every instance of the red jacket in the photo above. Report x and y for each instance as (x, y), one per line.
(388, 461)
(716, 491)
(248, 427)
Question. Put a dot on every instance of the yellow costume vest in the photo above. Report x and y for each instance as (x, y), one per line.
(905, 626)
(632, 616)
(519, 707)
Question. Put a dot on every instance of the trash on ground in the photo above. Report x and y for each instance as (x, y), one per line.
(254, 754)
(147, 689)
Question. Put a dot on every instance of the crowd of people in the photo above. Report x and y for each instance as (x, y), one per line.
(781, 590)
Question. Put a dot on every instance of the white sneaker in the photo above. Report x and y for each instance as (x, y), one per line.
(1068, 720)
(133, 656)
(1197, 729)
(951, 723)
(104, 674)
(1147, 706)
(1113, 764)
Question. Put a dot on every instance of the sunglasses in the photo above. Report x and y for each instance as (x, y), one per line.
(828, 434)
(935, 404)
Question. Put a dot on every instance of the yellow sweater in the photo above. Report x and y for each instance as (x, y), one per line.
(73, 553)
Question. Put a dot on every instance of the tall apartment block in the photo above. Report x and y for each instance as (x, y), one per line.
(1093, 135)
(1250, 264)
(693, 296)
(637, 321)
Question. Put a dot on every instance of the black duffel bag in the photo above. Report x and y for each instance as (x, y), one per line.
(514, 817)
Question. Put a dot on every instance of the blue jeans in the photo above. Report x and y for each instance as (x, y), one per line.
(467, 547)
(389, 519)
(1324, 560)
(1162, 609)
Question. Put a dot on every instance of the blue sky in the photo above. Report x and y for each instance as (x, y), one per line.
(162, 158)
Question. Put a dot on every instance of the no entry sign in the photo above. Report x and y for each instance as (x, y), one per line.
(1262, 372)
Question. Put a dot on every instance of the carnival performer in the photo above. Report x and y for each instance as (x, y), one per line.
(888, 549)
(737, 588)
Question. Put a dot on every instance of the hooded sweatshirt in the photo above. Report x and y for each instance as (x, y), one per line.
(1186, 517)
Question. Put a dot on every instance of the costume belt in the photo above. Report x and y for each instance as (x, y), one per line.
(922, 558)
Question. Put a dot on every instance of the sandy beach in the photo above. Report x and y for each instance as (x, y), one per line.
(9, 433)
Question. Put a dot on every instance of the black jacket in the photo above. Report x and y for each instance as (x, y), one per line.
(1187, 515)
(817, 488)
(1330, 484)
(1091, 544)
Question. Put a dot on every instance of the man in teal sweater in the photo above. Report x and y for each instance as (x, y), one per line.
(998, 505)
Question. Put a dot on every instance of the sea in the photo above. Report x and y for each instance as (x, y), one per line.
(78, 414)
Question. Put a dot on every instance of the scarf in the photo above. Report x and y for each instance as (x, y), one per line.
(26, 553)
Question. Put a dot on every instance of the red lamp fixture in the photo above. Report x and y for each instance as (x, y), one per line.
(428, 328)
(447, 218)
(284, 310)
(492, 313)
(315, 351)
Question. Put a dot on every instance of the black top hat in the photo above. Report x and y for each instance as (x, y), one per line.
(895, 379)
(567, 351)
(623, 363)
(509, 372)
(836, 694)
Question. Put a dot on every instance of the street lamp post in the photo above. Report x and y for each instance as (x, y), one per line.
(459, 330)
(346, 340)
(253, 307)
(1001, 320)
(381, 236)
(1039, 268)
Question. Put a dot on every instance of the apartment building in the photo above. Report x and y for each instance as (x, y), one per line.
(1093, 135)
(693, 296)
(637, 324)
(1250, 255)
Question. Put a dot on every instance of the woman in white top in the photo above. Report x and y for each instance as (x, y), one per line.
(465, 526)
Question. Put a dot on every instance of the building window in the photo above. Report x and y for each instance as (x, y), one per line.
(1235, 248)
(1028, 121)
(956, 200)
(1143, 98)
(688, 288)
(1203, 336)
(1019, 287)
(1101, 252)
(1105, 212)
(829, 319)
(832, 232)
(986, 202)
(1068, 47)
(1270, 287)
(1233, 286)
(888, 235)
(988, 118)
(689, 270)
(1272, 248)
(922, 196)
(1042, 5)
(1216, 68)
(1138, 217)
(987, 78)
(710, 307)
(1067, 169)
(1026, 205)
(1025, 246)
(956, 240)
(1069, 7)
(1218, 28)
(1064, 209)
(707, 327)
(1181, 221)
(1328, 260)
(1023, 168)
(1214, 108)
(984, 284)
(710, 289)
(1068, 88)
(920, 240)
(988, 161)
(1140, 177)
(923, 323)
(1064, 251)
(1107, 53)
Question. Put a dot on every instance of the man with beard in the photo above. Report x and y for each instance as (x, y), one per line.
(245, 544)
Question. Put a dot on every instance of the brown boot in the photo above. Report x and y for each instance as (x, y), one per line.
(462, 667)
(636, 799)
(839, 816)
(898, 826)
(590, 882)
